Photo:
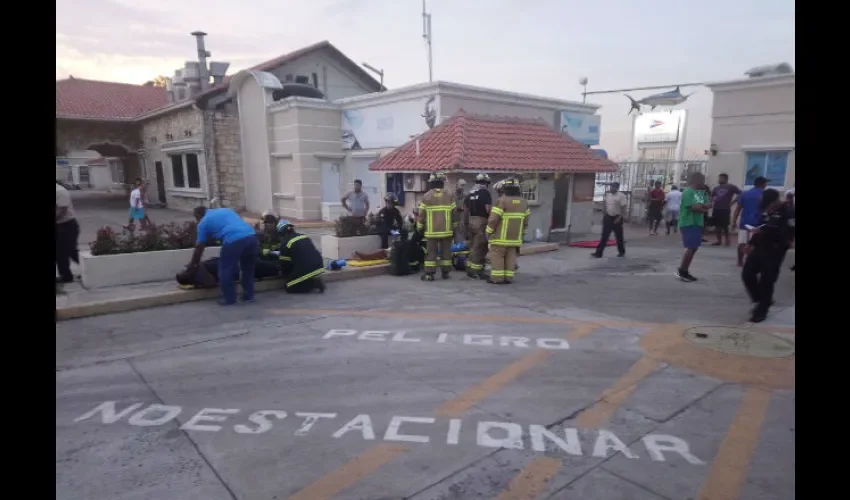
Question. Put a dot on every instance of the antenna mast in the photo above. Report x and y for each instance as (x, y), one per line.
(426, 35)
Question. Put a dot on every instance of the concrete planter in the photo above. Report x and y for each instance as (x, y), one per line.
(342, 248)
(132, 268)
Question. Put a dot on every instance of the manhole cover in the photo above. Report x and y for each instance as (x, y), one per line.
(739, 341)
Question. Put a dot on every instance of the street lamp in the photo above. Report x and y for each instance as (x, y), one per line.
(377, 71)
(583, 82)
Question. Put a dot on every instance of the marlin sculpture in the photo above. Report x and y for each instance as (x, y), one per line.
(671, 98)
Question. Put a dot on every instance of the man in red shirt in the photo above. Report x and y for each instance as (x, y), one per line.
(656, 208)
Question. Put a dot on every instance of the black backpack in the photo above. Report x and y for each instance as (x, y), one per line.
(400, 258)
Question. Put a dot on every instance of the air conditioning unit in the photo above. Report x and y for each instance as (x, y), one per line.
(418, 183)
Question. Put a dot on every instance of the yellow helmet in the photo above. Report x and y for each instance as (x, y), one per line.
(437, 177)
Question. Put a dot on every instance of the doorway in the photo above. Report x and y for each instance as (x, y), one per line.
(560, 202)
(160, 182)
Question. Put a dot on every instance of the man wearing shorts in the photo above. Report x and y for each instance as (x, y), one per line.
(692, 211)
(137, 208)
(747, 214)
(723, 197)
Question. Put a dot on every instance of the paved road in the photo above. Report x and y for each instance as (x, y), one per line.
(574, 383)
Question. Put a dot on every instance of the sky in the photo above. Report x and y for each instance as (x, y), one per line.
(540, 47)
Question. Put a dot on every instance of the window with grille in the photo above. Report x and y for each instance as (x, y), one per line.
(530, 187)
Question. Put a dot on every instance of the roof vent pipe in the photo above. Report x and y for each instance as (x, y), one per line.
(203, 73)
(417, 147)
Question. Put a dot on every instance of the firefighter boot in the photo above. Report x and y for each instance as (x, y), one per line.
(445, 274)
(428, 277)
(476, 275)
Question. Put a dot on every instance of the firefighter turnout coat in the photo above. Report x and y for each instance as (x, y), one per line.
(299, 259)
(436, 212)
(508, 221)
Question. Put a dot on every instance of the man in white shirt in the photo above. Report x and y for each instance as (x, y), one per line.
(614, 206)
(137, 208)
(67, 232)
(671, 204)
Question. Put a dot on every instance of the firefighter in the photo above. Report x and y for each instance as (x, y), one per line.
(300, 263)
(505, 230)
(478, 205)
(270, 237)
(436, 211)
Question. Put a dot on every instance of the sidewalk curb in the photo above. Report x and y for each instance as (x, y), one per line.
(182, 296)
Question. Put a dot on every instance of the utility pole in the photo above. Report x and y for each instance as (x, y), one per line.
(426, 35)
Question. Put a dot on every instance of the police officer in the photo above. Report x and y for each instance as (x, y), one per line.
(505, 230)
(436, 220)
(769, 244)
(478, 205)
(301, 264)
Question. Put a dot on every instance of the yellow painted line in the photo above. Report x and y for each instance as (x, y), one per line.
(476, 393)
(582, 331)
(371, 460)
(531, 480)
(730, 466)
(350, 473)
(598, 414)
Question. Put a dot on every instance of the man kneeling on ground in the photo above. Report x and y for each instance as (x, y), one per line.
(301, 264)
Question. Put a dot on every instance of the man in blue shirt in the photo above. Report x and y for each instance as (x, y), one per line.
(239, 249)
(748, 211)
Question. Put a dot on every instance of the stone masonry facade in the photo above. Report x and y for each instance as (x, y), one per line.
(181, 124)
(228, 159)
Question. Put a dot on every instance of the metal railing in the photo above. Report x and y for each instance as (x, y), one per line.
(638, 177)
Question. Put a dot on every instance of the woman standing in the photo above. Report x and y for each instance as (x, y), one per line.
(770, 241)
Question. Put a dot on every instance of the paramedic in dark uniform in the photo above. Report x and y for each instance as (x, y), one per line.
(389, 218)
(301, 264)
(478, 204)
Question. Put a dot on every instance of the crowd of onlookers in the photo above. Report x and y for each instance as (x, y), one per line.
(765, 221)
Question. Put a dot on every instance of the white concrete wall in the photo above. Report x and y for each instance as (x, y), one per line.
(335, 81)
(754, 115)
(255, 146)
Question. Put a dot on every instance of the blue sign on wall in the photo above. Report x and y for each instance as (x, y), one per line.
(581, 127)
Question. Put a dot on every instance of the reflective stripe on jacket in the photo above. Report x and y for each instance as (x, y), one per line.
(436, 212)
(508, 221)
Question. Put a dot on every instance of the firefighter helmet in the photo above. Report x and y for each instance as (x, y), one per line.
(482, 178)
(437, 177)
(283, 225)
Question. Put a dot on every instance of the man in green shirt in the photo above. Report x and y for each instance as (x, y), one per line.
(692, 211)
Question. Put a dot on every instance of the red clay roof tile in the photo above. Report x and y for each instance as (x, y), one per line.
(91, 99)
(493, 144)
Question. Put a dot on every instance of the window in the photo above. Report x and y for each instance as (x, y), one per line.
(185, 172)
(529, 187)
(770, 164)
(117, 168)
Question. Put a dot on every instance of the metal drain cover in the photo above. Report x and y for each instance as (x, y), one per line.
(739, 341)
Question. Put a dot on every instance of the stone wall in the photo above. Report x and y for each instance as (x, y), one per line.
(78, 135)
(184, 123)
(107, 138)
(226, 155)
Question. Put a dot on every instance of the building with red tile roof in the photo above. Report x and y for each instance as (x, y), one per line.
(143, 130)
(80, 99)
(474, 143)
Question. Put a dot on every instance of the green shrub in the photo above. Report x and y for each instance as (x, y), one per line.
(172, 236)
(348, 226)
